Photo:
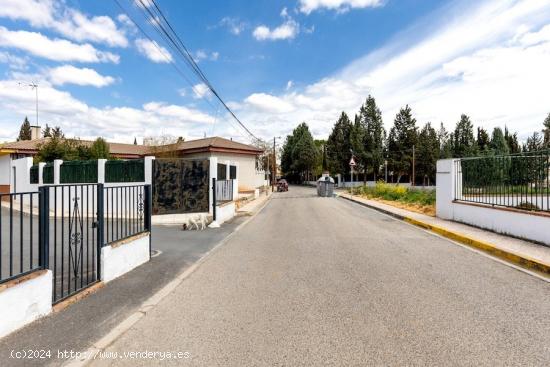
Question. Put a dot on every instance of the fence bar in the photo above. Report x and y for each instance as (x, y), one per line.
(214, 200)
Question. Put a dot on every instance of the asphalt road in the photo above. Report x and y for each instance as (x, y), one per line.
(86, 321)
(321, 281)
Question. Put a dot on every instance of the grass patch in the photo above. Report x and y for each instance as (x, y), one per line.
(418, 200)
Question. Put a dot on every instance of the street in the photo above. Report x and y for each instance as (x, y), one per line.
(322, 281)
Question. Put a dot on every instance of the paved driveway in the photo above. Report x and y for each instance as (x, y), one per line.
(321, 281)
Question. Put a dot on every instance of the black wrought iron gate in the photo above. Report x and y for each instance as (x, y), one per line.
(71, 227)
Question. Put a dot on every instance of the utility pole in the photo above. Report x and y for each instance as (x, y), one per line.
(274, 174)
(414, 170)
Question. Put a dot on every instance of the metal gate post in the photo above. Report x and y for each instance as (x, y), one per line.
(100, 225)
(44, 226)
(148, 210)
(214, 199)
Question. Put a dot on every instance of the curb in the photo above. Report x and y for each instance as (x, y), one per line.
(511, 257)
(88, 356)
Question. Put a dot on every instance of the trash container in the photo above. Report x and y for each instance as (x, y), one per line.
(325, 186)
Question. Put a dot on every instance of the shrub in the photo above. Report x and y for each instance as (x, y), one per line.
(397, 193)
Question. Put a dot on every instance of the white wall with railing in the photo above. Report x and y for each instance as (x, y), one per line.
(450, 204)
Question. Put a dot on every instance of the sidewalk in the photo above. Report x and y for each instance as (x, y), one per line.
(74, 328)
(519, 252)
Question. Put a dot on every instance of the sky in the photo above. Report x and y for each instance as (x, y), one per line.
(275, 63)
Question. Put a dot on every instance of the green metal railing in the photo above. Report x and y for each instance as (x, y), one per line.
(47, 173)
(34, 174)
(78, 172)
(125, 171)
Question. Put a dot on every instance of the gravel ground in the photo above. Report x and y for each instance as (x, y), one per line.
(321, 281)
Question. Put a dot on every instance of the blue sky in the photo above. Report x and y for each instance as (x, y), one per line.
(277, 63)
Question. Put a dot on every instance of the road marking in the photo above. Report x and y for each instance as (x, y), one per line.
(486, 255)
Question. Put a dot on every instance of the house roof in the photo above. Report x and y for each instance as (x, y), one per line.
(213, 144)
(116, 149)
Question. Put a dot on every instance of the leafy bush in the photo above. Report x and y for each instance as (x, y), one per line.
(397, 193)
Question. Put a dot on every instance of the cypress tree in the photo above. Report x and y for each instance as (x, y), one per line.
(401, 140)
(338, 146)
(25, 131)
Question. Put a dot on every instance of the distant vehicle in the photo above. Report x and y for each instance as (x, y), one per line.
(282, 185)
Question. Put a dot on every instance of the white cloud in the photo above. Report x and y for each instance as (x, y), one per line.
(267, 103)
(68, 74)
(288, 30)
(234, 25)
(289, 84)
(14, 62)
(53, 49)
(119, 123)
(201, 55)
(67, 21)
(307, 6)
(488, 60)
(201, 90)
(153, 51)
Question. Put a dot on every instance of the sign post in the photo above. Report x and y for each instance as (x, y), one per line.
(352, 164)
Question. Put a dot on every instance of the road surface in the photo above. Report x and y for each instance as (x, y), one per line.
(321, 281)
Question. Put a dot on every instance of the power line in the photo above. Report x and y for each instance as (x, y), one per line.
(163, 53)
(176, 42)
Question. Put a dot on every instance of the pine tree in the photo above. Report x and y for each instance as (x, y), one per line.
(546, 132)
(338, 146)
(47, 133)
(371, 118)
(512, 141)
(57, 133)
(483, 140)
(534, 143)
(359, 145)
(401, 140)
(445, 143)
(427, 154)
(498, 144)
(25, 131)
(299, 154)
(464, 144)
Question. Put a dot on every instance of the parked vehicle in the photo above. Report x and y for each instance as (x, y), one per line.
(282, 185)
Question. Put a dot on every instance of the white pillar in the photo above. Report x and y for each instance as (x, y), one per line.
(57, 171)
(445, 187)
(40, 171)
(213, 173)
(148, 169)
(101, 171)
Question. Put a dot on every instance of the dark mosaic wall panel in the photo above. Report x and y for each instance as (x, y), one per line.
(180, 186)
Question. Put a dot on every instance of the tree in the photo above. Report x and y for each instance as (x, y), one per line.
(47, 133)
(99, 149)
(445, 143)
(135, 141)
(464, 144)
(338, 145)
(534, 143)
(25, 131)
(299, 154)
(57, 133)
(401, 140)
(371, 118)
(498, 144)
(483, 140)
(359, 141)
(428, 153)
(546, 132)
(512, 141)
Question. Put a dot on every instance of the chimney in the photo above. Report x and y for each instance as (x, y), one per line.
(36, 132)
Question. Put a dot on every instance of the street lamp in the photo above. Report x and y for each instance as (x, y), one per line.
(34, 86)
(274, 174)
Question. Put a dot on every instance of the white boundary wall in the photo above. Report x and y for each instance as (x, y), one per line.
(506, 221)
(25, 302)
(118, 259)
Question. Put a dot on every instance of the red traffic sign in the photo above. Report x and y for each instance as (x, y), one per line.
(352, 162)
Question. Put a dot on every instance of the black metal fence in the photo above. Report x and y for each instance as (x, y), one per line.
(126, 211)
(63, 227)
(224, 190)
(19, 235)
(520, 181)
